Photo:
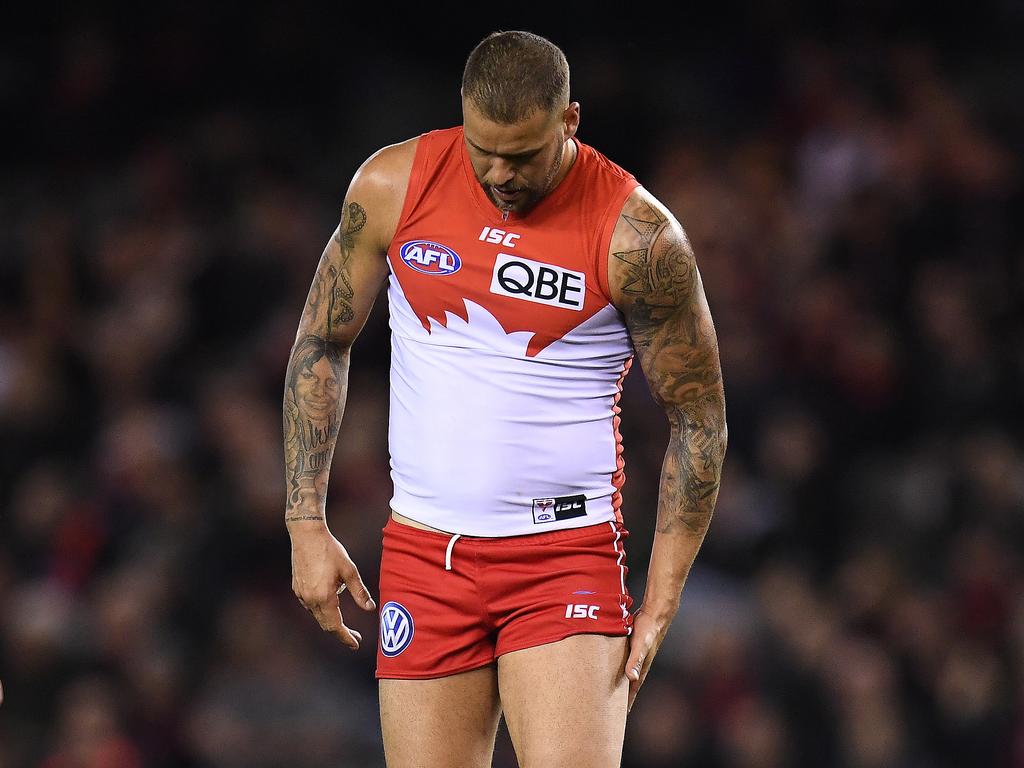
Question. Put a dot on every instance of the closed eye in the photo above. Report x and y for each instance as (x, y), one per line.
(521, 157)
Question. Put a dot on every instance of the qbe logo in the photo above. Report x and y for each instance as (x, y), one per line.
(538, 282)
(396, 629)
(430, 258)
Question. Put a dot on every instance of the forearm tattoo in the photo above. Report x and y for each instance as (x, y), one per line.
(675, 340)
(314, 395)
(316, 381)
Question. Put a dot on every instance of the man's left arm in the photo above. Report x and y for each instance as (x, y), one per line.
(656, 285)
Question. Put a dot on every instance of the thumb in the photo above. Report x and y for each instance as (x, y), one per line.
(635, 662)
(359, 592)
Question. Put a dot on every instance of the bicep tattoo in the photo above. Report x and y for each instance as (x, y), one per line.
(665, 309)
(353, 219)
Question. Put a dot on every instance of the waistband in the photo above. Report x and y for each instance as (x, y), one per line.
(393, 527)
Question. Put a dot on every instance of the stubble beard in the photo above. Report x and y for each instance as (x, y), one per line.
(531, 196)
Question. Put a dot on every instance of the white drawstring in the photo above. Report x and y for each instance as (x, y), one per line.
(448, 552)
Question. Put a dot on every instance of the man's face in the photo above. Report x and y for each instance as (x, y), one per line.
(517, 163)
(317, 389)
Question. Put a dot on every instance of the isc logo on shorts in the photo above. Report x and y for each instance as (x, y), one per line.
(541, 283)
(396, 629)
(580, 611)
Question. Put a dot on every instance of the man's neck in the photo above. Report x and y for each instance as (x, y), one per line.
(569, 152)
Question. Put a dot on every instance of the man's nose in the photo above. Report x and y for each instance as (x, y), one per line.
(502, 172)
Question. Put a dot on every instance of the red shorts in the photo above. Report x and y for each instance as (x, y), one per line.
(450, 604)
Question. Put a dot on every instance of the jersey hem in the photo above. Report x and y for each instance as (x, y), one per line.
(570, 525)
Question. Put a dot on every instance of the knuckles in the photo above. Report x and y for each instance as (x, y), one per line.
(309, 596)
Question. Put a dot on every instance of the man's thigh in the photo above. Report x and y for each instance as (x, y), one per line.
(449, 722)
(565, 702)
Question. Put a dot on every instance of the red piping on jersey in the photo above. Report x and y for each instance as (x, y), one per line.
(619, 476)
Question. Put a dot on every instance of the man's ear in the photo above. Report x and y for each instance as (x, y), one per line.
(571, 119)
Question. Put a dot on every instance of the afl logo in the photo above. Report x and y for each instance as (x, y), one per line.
(396, 629)
(430, 258)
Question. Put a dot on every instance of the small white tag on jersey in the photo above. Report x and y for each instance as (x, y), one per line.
(559, 508)
(538, 282)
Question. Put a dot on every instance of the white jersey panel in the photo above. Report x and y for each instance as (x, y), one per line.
(482, 435)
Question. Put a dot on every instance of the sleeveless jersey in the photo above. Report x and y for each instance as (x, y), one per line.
(507, 355)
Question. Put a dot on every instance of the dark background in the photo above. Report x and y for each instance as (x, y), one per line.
(850, 176)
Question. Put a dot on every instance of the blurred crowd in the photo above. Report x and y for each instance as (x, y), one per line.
(859, 600)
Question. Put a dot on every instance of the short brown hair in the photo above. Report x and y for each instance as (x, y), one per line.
(510, 75)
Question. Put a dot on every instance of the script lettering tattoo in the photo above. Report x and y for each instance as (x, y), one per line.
(675, 340)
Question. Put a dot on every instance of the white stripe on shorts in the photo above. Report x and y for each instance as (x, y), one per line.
(622, 571)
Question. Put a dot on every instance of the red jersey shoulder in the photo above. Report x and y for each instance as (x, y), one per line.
(603, 165)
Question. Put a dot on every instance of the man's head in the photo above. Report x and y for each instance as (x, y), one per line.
(517, 116)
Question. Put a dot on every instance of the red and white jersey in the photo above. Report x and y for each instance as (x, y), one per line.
(507, 354)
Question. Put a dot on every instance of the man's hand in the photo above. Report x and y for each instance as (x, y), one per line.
(648, 632)
(321, 571)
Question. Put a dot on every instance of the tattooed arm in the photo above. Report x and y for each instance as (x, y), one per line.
(347, 280)
(655, 283)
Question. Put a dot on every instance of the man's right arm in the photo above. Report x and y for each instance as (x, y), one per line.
(347, 281)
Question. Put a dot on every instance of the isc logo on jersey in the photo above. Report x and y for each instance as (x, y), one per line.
(538, 282)
(430, 258)
(396, 629)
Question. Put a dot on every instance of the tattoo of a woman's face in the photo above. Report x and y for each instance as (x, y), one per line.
(314, 377)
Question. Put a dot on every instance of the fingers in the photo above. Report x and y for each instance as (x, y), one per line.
(634, 689)
(328, 615)
(318, 582)
(636, 673)
(638, 651)
(326, 609)
(358, 590)
(634, 684)
(635, 665)
(641, 653)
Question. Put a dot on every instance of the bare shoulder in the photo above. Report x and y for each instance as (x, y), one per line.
(386, 172)
(378, 188)
(650, 260)
(389, 164)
